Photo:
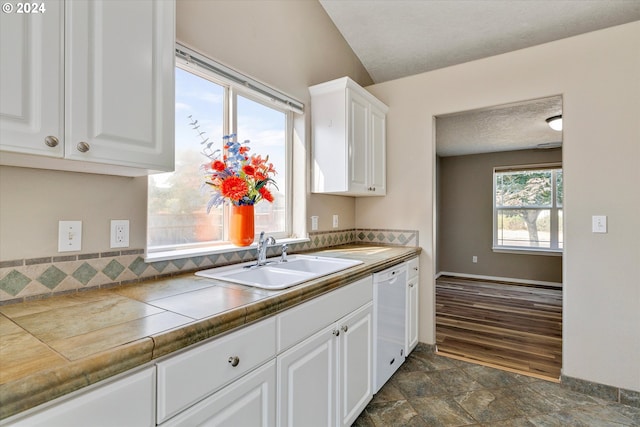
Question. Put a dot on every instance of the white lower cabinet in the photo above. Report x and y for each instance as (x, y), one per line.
(249, 401)
(124, 401)
(413, 282)
(308, 366)
(355, 376)
(326, 380)
(195, 374)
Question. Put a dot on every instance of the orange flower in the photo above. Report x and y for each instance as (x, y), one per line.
(234, 188)
(249, 170)
(218, 165)
(243, 149)
(266, 194)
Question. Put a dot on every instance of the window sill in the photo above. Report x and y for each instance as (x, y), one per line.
(528, 251)
(203, 251)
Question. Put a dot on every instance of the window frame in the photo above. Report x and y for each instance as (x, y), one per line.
(231, 91)
(554, 221)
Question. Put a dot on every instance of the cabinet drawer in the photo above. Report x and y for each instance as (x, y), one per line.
(413, 268)
(188, 378)
(300, 322)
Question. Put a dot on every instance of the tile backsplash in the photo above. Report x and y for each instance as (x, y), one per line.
(40, 277)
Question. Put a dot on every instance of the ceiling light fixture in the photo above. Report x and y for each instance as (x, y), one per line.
(555, 122)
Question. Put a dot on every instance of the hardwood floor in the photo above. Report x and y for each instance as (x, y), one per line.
(503, 324)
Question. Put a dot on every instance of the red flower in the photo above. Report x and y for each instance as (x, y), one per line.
(235, 188)
(266, 194)
(249, 170)
(243, 149)
(218, 165)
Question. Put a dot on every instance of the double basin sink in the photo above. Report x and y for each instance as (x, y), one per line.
(276, 274)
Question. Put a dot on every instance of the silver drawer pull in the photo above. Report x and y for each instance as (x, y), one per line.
(345, 328)
(336, 332)
(51, 141)
(83, 147)
(234, 360)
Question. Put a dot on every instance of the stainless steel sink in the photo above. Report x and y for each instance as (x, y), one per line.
(279, 275)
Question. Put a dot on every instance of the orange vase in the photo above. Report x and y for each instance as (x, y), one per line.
(241, 231)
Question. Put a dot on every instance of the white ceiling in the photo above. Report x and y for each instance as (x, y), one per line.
(516, 126)
(398, 38)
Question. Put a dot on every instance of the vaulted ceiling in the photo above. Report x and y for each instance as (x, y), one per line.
(399, 38)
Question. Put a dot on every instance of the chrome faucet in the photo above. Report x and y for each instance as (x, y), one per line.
(262, 248)
(283, 257)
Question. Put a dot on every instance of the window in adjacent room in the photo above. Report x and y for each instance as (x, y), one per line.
(177, 205)
(528, 208)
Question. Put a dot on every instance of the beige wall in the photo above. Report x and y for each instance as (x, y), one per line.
(289, 45)
(465, 218)
(598, 75)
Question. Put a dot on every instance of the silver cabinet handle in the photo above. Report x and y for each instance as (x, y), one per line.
(51, 141)
(336, 332)
(345, 328)
(234, 360)
(411, 285)
(83, 147)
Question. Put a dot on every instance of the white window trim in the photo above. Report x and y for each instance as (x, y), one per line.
(520, 249)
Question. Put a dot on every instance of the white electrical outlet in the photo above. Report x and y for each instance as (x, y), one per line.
(69, 236)
(119, 233)
(314, 223)
(335, 221)
(474, 259)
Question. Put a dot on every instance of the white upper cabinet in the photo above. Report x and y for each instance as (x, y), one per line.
(349, 139)
(98, 77)
(32, 82)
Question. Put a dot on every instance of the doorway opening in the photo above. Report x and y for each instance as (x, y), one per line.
(499, 173)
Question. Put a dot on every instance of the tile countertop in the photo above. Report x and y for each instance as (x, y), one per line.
(54, 346)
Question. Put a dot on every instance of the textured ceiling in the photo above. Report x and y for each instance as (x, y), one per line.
(517, 126)
(398, 38)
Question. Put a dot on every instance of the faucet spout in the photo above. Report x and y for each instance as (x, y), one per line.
(263, 244)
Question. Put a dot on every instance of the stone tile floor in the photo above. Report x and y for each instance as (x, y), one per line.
(432, 390)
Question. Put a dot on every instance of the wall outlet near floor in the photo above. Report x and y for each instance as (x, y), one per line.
(119, 233)
(474, 259)
(69, 236)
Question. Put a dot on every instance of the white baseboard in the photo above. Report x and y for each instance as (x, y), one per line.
(499, 279)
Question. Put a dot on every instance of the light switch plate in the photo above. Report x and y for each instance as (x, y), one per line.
(69, 236)
(314, 223)
(599, 224)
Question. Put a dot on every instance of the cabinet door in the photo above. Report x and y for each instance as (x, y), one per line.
(358, 142)
(31, 81)
(306, 382)
(412, 315)
(128, 401)
(356, 364)
(120, 82)
(249, 401)
(378, 174)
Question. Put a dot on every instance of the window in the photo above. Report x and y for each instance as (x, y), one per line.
(528, 208)
(177, 201)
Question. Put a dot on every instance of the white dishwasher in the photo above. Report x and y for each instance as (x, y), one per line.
(389, 308)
